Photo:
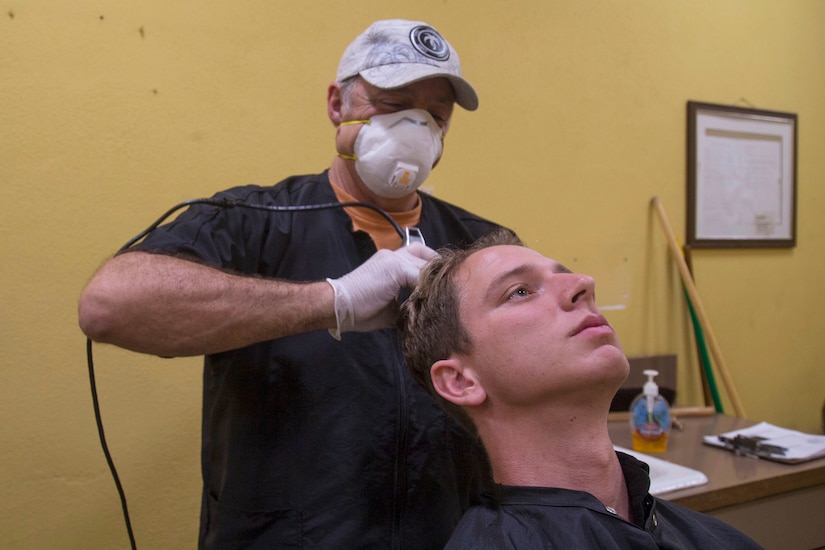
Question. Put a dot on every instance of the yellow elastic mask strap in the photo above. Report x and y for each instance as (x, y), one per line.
(351, 123)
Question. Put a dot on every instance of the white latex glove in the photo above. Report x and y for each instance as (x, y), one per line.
(365, 298)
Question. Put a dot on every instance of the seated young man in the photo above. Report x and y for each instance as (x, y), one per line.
(513, 344)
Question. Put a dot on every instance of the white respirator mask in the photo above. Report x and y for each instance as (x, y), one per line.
(394, 153)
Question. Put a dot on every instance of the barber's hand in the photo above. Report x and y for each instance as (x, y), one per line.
(365, 298)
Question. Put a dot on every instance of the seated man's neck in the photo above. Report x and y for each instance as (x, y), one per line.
(567, 449)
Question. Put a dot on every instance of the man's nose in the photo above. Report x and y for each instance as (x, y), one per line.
(579, 289)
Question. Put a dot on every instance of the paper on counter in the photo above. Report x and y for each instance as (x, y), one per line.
(799, 446)
(667, 476)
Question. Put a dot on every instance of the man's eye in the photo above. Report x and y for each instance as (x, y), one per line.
(394, 105)
(519, 292)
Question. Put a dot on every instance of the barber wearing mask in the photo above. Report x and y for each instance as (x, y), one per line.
(314, 435)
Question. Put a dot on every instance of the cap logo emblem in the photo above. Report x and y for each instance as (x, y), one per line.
(429, 43)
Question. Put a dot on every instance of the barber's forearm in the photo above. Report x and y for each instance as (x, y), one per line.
(167, 306)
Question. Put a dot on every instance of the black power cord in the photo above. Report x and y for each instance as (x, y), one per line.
(226, 203)
(221, 203)
(105, 447)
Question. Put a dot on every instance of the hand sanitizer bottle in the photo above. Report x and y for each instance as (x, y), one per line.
(650, 418)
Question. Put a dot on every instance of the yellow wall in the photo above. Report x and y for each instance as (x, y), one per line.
(111, 112)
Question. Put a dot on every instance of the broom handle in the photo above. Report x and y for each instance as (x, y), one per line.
(687, 279)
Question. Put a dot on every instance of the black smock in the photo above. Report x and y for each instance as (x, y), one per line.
(309, 442)
(548, 518)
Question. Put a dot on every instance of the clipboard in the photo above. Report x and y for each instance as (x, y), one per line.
(770, 442)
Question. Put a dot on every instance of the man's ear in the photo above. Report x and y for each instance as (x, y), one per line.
(457, 383)
(335, 103)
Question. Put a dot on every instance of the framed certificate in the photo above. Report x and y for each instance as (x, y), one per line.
(741, 177)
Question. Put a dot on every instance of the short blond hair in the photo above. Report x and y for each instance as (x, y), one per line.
(430, 321)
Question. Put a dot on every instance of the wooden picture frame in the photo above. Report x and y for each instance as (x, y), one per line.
(741, 177)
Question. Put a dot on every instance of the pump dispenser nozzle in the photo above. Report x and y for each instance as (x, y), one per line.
(651, 390)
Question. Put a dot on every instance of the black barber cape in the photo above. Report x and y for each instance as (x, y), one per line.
(522, 518)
